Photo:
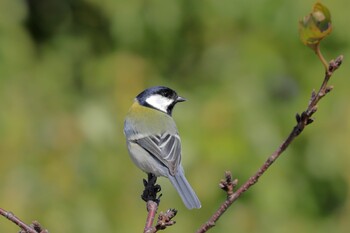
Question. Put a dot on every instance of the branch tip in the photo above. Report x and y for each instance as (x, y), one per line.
(165, 219)
(302, 119)
(334, 64)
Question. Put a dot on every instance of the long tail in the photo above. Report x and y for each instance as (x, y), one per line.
(184, 189)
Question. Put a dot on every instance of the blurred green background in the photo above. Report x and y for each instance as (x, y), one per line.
(70, 69)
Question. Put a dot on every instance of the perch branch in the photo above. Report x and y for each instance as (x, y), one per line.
(149, 195)
(152, 208)
(302, 121)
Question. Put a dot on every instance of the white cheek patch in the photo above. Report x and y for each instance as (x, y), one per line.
(159, 102)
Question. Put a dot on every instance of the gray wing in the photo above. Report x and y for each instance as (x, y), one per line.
(166, 148)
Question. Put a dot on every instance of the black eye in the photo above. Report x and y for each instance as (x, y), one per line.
(168, 93)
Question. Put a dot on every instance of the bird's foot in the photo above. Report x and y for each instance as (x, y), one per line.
(151, 189)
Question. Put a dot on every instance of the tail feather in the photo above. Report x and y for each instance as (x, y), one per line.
(185, 190)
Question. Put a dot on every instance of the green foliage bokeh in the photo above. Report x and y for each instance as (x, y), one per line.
(70, 69)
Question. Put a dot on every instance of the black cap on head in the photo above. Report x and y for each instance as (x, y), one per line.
(162, 91)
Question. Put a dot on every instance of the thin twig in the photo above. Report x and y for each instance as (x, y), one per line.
(149, 195)
(302, 121)
(321, 57)
(10, 216)
(164, 219)
(152, 208)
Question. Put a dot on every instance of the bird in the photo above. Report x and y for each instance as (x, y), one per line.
(153, 141)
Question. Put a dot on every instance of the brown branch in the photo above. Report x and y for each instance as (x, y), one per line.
(149, 195)
(33, 228)
(164, 219)
(152, 208)
(302, 121)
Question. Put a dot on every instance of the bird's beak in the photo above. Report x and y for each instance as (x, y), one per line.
(180, 99)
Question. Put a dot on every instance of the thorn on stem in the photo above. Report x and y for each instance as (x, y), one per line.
(321, 93)
(36, 225)
(228, 184)
(309, 121)
(328, 89)
(303, 115)
(297, 117)
(313, 96)
(9, 215)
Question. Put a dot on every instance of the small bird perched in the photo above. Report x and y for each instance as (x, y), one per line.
(153, 140)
